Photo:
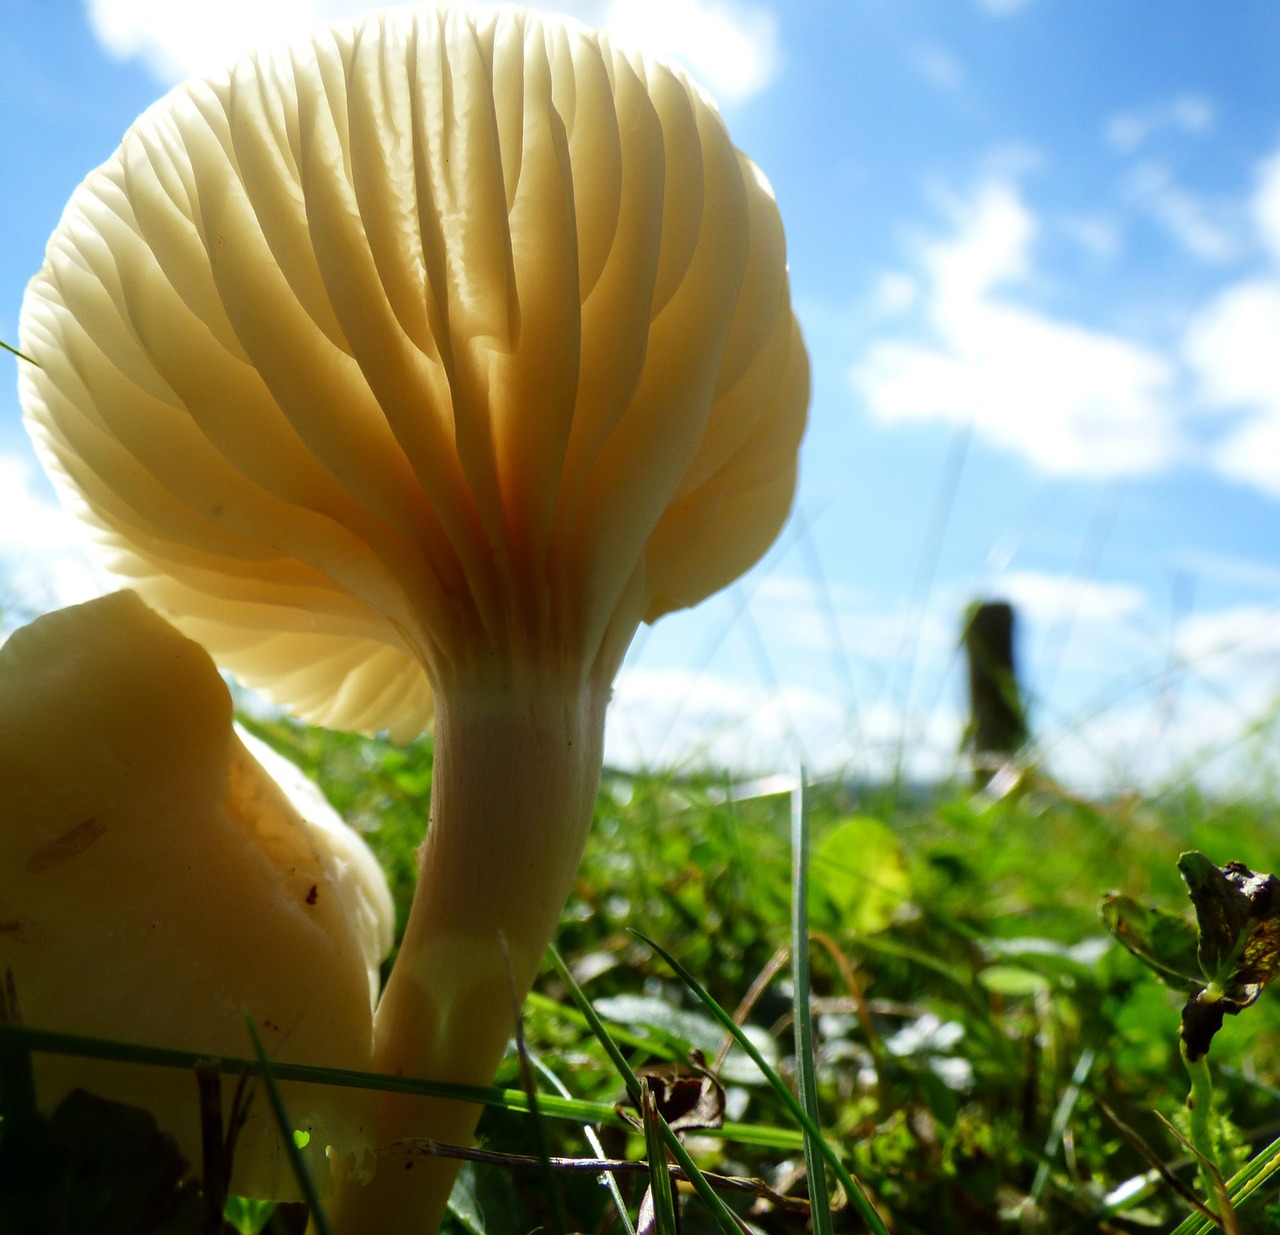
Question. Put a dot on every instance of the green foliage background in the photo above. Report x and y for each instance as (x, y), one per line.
(962, 978)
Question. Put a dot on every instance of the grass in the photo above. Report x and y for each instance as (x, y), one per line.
(981, 1056)
(962, 1047)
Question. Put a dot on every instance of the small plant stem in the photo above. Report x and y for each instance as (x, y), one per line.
(517, 766)
(1200, 1106)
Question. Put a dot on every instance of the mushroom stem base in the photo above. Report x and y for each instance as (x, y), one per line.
(513, 793)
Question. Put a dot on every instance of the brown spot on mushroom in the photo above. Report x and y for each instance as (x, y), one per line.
(65, 847)
(313, 895)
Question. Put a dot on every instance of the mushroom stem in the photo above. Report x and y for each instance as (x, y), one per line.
(517, 767)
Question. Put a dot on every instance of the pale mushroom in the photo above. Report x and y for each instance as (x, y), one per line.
(417, 366)
(156, 882)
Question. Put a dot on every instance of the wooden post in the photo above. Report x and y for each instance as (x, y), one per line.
(997, 722)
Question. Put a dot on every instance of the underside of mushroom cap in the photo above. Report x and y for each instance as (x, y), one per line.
(156, 883)
(446, 333)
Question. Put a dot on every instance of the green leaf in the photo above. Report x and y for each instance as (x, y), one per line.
(690, 1029)
(1165, 942)
(1013, 981)
(484, 1201)
(248, 1215)
(861, 869)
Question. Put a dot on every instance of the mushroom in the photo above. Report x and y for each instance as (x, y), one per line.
(411, 369)
(156, 881)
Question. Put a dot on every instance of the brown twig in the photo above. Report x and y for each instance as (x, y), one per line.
(1161, 1169)
(613, 1166)
(750, 999)
(851, 984)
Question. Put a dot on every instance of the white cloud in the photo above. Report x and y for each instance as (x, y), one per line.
(1142, 705)
(1189, 219)
(42, 560)
(1097, 235)
(1172, 732)
(1190, 114)
(1069, 399)
(677, 719)
(175, 40)
(730, 47)
(895, 292)
(844, 621)
(939, 67)
(1236, 572)
(1266, 204)
(1200, 704)
(1045, 598)
(1230, 346)
(1239, 646)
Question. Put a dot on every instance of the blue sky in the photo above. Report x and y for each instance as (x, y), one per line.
(1035, 248)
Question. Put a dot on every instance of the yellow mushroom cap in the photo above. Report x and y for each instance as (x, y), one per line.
(156, 883)
(447, 331)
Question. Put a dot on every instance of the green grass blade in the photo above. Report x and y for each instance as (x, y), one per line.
(1242, 1185)
(54, 1043)
(318, 1217)
(578, 1110)
(660, 1193)
(13, 351)
(857, 1197)
(806, 1060)
(1058, 1125)
(724, 1217)
(550, 1184)
(589, 1133)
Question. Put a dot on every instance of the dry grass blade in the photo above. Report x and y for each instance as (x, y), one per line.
(1158, 1164)
(1226, 1214)
(755, 1188)
(215, 1164)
